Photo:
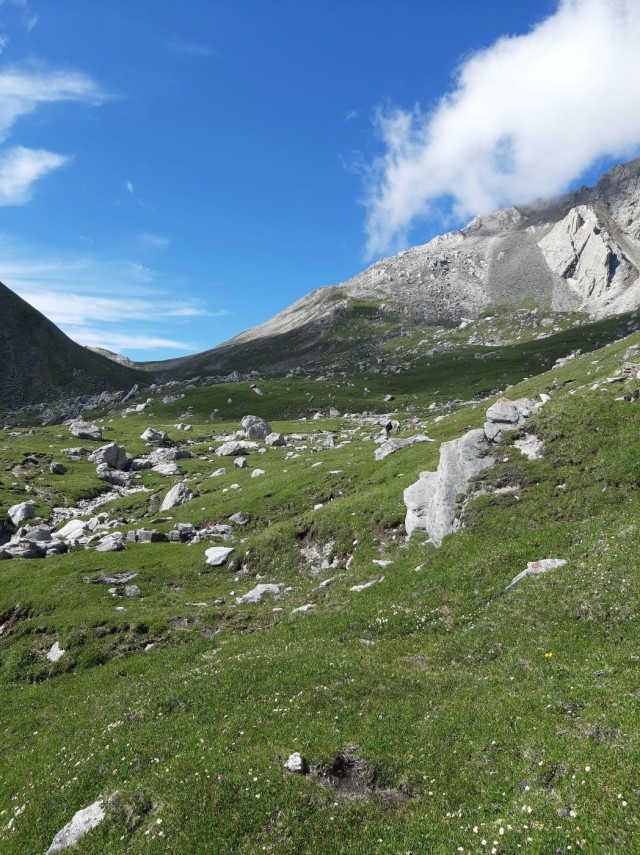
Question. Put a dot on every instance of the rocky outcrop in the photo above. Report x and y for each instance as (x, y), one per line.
(432, 501)
(583, 251)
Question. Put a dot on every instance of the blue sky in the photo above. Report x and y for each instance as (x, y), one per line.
(172, 173)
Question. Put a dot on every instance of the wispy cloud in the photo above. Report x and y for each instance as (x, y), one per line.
(20, 168)
(21, 92)
(153, 241)
(29, 18)
(129, 187)
(102, 302)
(527, 116)
(119, 342)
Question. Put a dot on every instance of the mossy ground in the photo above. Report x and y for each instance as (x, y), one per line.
(511, 720)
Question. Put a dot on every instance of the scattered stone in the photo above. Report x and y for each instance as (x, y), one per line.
(297, 764)
(534, 568)
(257, 473)
(19, 513)
(83, 821)
(55, 653)
(306, 608)
(177, 495)
(57, 468)
(167, 469)
(216, 556)
(218, 472)
(256, 594)
(240, 462)
(357, 588)
(132, 591)
(85, 430)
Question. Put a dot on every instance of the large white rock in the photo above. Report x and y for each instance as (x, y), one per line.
(73, 530)
(275, 440)
(177, 495)
(83, 821)
(433, 500)
(216, 556)
(255, 427)
(24, 511)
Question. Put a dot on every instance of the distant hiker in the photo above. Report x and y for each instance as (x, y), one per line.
(388, 428)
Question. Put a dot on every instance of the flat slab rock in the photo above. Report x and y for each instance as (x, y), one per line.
(257, 593)
(390, 446)
(534, 568)
(81, 823)
(216, 556)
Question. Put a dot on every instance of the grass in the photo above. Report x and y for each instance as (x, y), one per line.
(508, 719)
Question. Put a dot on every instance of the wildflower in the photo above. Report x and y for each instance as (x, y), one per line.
(548, 655)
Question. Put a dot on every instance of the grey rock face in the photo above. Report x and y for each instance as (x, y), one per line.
(582, 250)
(177, 495)
(255, 428)
(81, 823)
(85, 430)
(433, 500)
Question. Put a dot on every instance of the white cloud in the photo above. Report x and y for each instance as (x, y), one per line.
(527, 117)
(121, 342)
(130, 187)
(190, 49)
(22, 91)
(20, 168)
(30, 19)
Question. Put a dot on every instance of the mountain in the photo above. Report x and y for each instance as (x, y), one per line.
(40, 363)
(577, 253)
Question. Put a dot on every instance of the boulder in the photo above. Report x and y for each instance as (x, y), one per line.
(506, 415)
(240, 462)
(152, 435)
(257, 473)
(275, 440)
(139, 463)
(167, 469)
(111, 543)
(73, 530)
(118, 479)
(432, 501)
(216, 556)
(85, 430)
(177, 495)
(19, 513)
(255, 427)
(57, 468)
(113, 455)
(233, 449)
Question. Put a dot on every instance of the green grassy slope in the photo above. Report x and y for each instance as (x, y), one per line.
(501, 722)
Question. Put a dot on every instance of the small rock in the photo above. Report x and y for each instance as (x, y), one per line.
(177, 495)
(240, 462)
(216, 556)
(83, 821)
(157, 436)
(256, 594)
(55, 653)
(132, 591)
(19, 513)
(357, 588)
(257, 473)
(297, 764)
(57, 468)
(535, 567)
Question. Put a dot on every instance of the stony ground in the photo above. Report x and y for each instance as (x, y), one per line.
(432, 711)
